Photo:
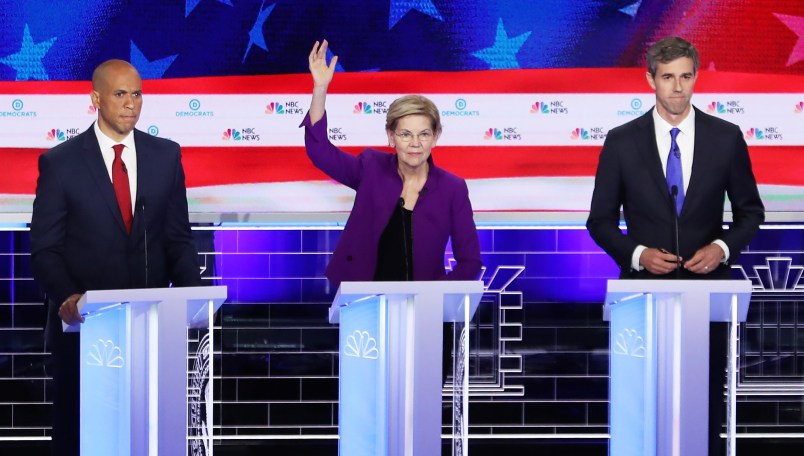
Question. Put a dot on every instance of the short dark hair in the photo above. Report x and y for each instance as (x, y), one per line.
(669, 49)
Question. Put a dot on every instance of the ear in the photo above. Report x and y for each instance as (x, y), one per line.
(95, 99)
(650, 80)
(391, 142)
(435, 140)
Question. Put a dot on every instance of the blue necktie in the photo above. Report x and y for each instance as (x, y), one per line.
(675, 176)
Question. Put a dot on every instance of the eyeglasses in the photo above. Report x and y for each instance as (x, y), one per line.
(424, 136)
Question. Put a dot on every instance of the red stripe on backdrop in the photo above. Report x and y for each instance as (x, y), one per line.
(572, 80)
(207, 166)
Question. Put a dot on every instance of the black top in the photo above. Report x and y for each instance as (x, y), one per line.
(395, 250)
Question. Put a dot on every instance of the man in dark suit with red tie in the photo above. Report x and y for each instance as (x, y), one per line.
(670, 171)
(102, 198)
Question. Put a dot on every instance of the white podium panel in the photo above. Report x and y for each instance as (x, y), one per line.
(140, 395)
(659, 362)
(390, 364)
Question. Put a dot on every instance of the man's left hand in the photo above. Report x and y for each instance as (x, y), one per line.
(705, 260)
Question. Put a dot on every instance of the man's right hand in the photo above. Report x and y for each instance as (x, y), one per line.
(658, 262)
(68, 311)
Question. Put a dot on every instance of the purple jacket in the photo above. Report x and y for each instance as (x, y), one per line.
(442, 211)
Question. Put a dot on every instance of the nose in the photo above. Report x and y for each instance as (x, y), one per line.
(677, 85)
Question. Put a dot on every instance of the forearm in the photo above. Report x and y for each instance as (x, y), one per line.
(318, 104)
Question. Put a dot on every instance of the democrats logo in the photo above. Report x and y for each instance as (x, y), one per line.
(635, 108)
(725, 107)
(799, 107)
(57, 134)
(583, 134)
(368, 108)
(505, 134)
(287, 108)
(460, 110)
(153, 130)
(764, 134)
(242, 134)
(336, 134)
(194, 110)
(17, 110)
(549, 107)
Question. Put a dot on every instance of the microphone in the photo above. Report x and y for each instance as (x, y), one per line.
(674, 192)
(401, 202)
(144, 225)
(125, 170)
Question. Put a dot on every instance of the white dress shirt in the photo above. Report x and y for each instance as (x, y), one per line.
(129, 157)
(686, 145)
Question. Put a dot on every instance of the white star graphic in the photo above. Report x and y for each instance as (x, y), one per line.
(28, 61)
(502, 55)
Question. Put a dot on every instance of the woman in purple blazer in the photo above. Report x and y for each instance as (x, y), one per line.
(406, 208)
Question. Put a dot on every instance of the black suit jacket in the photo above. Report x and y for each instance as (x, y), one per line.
(78, 240)
(630, 175)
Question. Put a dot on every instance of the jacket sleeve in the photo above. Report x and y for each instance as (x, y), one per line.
(607, 198)
(48, 233)
(465, 242)
(747, 209)
(180, 247)
(335, 163)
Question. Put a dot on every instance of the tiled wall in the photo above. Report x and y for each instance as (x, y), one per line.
(544, 362)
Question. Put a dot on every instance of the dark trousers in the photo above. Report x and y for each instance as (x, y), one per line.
(64, 368)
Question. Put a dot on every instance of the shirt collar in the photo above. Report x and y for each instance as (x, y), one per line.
(687, 126)
(106, 143)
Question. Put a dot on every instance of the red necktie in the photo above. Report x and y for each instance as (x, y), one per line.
(121, 188)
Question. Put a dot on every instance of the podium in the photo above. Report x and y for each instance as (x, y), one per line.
(390, 356)
(659, 362)
(140, 393)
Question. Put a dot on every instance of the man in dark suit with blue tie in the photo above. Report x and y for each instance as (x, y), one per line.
(102, 199)
(670, 171)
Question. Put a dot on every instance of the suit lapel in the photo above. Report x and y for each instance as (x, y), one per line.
(144, 152)
(701, 159)
(646, 142)
(97, 169)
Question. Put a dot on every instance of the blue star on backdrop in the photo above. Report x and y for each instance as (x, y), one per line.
(27, 62)
(189, 5)
(399, 8)
(256, 35)
(149, 69)
(193, 38)
(502, 55)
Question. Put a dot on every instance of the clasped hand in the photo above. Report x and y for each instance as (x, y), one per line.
(660, 261)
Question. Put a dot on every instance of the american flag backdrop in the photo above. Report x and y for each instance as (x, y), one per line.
(527, 90)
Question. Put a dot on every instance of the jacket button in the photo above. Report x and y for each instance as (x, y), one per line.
(348, 257)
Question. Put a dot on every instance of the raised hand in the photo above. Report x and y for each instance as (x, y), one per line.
(322, 76)
(322, 73)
